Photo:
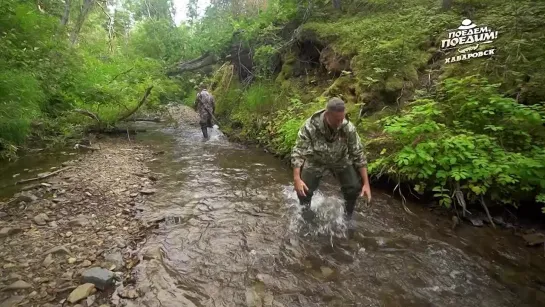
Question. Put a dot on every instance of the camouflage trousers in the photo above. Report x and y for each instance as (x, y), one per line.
(348, 177)
(205, 119)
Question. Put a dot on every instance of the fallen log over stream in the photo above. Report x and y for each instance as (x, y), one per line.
(204, 60)
(144, 119)
(114, 130)
(103, 126)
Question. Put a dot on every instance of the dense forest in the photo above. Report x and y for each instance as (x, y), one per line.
(466, 132)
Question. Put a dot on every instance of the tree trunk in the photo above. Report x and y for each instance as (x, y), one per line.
(84, 11)
(447, 4)
(66, 15)
(337, 4)
(192, 65)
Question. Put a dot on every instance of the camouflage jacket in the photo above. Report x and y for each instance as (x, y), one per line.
(319, 145)
(205, 101)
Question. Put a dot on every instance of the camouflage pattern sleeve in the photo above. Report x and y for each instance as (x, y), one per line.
(355, 147)
(301, 148)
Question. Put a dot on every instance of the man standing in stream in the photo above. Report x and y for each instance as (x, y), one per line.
(328, 141)
(205, 106)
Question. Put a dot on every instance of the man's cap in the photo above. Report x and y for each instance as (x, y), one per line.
(335, 104)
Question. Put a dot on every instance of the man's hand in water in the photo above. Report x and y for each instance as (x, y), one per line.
(366, 191)
(366, 187)
(300, 187)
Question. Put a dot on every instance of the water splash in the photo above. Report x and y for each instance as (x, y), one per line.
(325, 216)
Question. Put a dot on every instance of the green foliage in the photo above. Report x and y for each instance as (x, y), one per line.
(189, 100)
(21, 100)
(285, 126)
(160, 40)
(42, 77)
(387, 47)
(264, 60)
(470, 138)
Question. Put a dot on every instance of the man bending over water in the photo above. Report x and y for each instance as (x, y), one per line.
(329, 141)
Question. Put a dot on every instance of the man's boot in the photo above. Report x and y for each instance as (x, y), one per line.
(306, 212)
(349, 212)
(204, 132)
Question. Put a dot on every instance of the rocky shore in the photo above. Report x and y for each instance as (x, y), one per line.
(69, 238)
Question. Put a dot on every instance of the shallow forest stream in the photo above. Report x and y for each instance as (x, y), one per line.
(232, 236)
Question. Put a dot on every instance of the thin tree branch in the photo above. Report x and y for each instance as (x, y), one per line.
(88, 113)
(131, 112)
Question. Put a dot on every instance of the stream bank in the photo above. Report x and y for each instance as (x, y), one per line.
(81, 218)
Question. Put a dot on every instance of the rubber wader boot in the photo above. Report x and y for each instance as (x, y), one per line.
(348, 214)
(204, 132)
(306, 213)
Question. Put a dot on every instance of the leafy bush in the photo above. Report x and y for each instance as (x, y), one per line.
(21, 101)
(263, 58)
(468, 138)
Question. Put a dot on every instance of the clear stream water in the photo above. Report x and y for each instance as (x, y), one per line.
(232, 236)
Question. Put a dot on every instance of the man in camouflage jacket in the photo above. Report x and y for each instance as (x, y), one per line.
(328, 141)
(205, 106)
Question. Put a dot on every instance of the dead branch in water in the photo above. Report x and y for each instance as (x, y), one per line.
(487, 212)
(43, 176)
(403, 200)
(78, 146)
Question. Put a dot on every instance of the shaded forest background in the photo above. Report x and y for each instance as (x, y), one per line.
(465, 133)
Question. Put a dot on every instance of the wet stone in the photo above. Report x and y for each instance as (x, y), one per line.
(12, 301)
(120, 243)
(58, 250)
(81, 292)
(152, 253)
(27, 197)
(15, 276)
(67, 275)
(326, 271)
(91, 300)
(48, 260)
(100, 277)
(534, 239)
(476, 221)
(81, 221)
(129, 293)
(41, 219)
(147, 191)
(8, 231)
(18, 285)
